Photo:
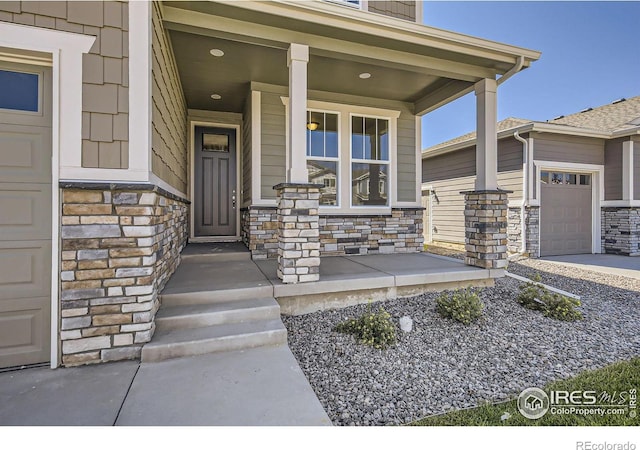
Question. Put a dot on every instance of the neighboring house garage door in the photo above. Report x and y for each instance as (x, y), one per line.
(565, 213)
(25, 214)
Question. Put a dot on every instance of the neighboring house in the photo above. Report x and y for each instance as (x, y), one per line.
(130, 128)
(575, 182)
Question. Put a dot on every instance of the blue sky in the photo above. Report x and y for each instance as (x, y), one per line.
(590, 57)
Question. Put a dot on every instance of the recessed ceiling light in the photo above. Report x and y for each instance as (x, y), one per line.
(216, 52)
(365, 75)
(216, 96)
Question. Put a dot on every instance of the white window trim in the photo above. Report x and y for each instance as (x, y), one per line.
(66, 127)
(344, 166)
(337, 159)
(18, 68)
(597, 193)
(392, 138)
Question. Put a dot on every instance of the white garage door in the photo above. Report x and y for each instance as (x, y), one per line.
(565, 213)
(25, 214)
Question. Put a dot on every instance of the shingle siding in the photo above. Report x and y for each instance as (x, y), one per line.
(169, 113)
(105, 70)
(400, 9)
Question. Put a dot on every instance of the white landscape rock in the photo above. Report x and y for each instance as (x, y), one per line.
(406, 324)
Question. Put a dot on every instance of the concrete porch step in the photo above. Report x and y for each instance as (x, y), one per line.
(196, 316)
(217, 338)
(207, 296)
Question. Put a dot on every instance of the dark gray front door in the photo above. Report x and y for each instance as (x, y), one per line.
(215, 182)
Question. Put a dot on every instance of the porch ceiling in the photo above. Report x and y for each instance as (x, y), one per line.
(408, 62)
(230, 75)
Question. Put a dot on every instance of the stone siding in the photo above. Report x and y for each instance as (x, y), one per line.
(514, 230)
(532, 226)
(260, 231)
(298, 234)
(119, 247)
(486, 228)
(400, 232)
(621, 231)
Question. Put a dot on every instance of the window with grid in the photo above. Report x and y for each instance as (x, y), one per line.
(369, 161)
(323, 154)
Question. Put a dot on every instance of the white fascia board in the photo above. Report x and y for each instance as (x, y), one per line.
(529, 127)
(390, 27)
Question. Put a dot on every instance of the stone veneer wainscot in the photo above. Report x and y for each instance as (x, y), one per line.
(120, 244)
(621, 231)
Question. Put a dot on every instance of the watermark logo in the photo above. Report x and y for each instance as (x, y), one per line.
(533, 403)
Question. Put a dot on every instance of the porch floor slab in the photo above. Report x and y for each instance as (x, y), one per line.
(344, 280)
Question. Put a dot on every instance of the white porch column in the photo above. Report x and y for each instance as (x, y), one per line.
(627, 170)
(297, 59)
(487, 142)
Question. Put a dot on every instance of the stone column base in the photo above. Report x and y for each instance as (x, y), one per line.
(298, 232)
(486, 228)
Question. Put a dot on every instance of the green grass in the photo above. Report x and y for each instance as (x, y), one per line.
(618, 377)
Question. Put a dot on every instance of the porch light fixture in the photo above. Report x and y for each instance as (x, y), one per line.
(216, 52)
(364, 75)
(216, 96)
(312, 126)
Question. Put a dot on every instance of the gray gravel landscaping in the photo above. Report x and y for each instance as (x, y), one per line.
(442, 365)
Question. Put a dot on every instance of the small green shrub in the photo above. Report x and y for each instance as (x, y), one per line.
(561, 307)
(536, 277)
(374, 329)
(556, 306)
(462, 305)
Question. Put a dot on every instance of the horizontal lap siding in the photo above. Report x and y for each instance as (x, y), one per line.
(571, 149)
(613, 170)
(451, 173)
(273, 129)
(406, 157)
(447, 208)
(636, 168)
(401, 9)
(246, 154)
(169, 113)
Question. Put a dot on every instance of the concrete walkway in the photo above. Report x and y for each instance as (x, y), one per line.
(626, 266)
(261, 386)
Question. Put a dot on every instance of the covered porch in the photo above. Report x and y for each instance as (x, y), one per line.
(325, 103)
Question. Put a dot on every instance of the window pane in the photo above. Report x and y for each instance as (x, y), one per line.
(215, 142)
(585, 180)
(331, 136)
(315, 133)
(383, 140)
(570, 178)
(369, 185)
(357, 137)
(544, 177)
(326, 174)
(557, 178)
(370, 138)
(18, 91)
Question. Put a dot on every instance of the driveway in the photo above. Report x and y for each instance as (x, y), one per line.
(627, 266)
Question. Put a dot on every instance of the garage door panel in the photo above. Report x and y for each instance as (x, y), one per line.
(26, 211)
(21, 150)
(23, 336)
(565, 219)
(24, 269)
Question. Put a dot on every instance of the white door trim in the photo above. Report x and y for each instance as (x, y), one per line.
(192, 128)
(597, 193)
